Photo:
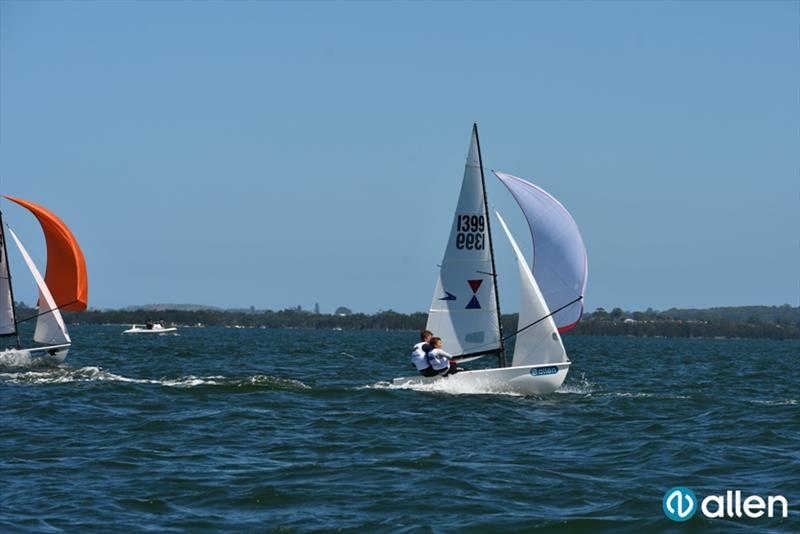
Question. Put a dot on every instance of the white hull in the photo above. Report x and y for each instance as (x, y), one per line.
(524, 380)
(137, 330)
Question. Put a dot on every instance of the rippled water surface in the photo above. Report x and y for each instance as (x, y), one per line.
(220, 429)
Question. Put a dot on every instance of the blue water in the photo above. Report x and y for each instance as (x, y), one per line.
(220, 429)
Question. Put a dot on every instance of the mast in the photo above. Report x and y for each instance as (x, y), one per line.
(10, 286)
(502, 353)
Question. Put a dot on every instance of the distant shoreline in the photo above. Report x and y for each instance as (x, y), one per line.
(756, 322)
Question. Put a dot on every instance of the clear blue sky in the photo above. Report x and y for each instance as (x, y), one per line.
(282, 154)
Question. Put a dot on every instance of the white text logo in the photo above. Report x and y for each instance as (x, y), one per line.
(680, 504)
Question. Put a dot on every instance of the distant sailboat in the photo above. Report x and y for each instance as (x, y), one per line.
(465, 311)
(64, 287)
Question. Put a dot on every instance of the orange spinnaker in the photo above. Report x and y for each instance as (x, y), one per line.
(66, 268)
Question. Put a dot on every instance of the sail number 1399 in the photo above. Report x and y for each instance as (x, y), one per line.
(470, 230)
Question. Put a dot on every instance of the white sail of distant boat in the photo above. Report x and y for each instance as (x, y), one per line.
(8, 323)
(64, 287)
(468, 320)
(50, 327)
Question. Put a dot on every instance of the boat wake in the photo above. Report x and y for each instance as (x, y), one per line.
(18, 358)
(61, 375)
(774, 402)
(450, 387)
(587, 388)
(580, 387)
(457, 387)
(26, 359)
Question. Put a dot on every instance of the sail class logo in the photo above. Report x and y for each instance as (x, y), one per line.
(680, 504)
(473, 304)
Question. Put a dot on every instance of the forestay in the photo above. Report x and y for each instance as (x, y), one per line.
(463, 310)
(537, 340)
(50, 327)
(559, 262)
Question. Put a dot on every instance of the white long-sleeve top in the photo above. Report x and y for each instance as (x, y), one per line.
(418, 357)
(438, 359)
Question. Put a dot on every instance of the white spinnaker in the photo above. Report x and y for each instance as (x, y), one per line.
(539, 343)
(7, 324)
(50, 327)
(559, 263)
(463, 310)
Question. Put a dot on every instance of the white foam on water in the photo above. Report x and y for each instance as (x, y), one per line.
(16, 358)
(60, 375)
(582, 387)
(643, 395)
(774, 402)
(451, 387)
(585, 387)
(95, 374)
(266, 380)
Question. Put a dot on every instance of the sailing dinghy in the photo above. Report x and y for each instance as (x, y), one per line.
(465, 310)
(64, 287)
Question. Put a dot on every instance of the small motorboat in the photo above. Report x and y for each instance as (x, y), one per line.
(151, 327)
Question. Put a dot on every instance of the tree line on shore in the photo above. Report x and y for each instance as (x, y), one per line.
(770, 322)
(774, 322)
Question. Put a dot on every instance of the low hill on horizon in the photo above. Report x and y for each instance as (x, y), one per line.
(177, 307)
(783, 314)
(774, 322)
(767, 314)
(750, 313)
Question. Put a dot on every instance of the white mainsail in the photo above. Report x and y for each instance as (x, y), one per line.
(463, 310)
(50, 327)
(537, 340)
(559, 264)
(7, 323)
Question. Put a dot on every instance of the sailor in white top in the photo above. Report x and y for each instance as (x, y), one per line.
(439, 360)
(418, 354)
